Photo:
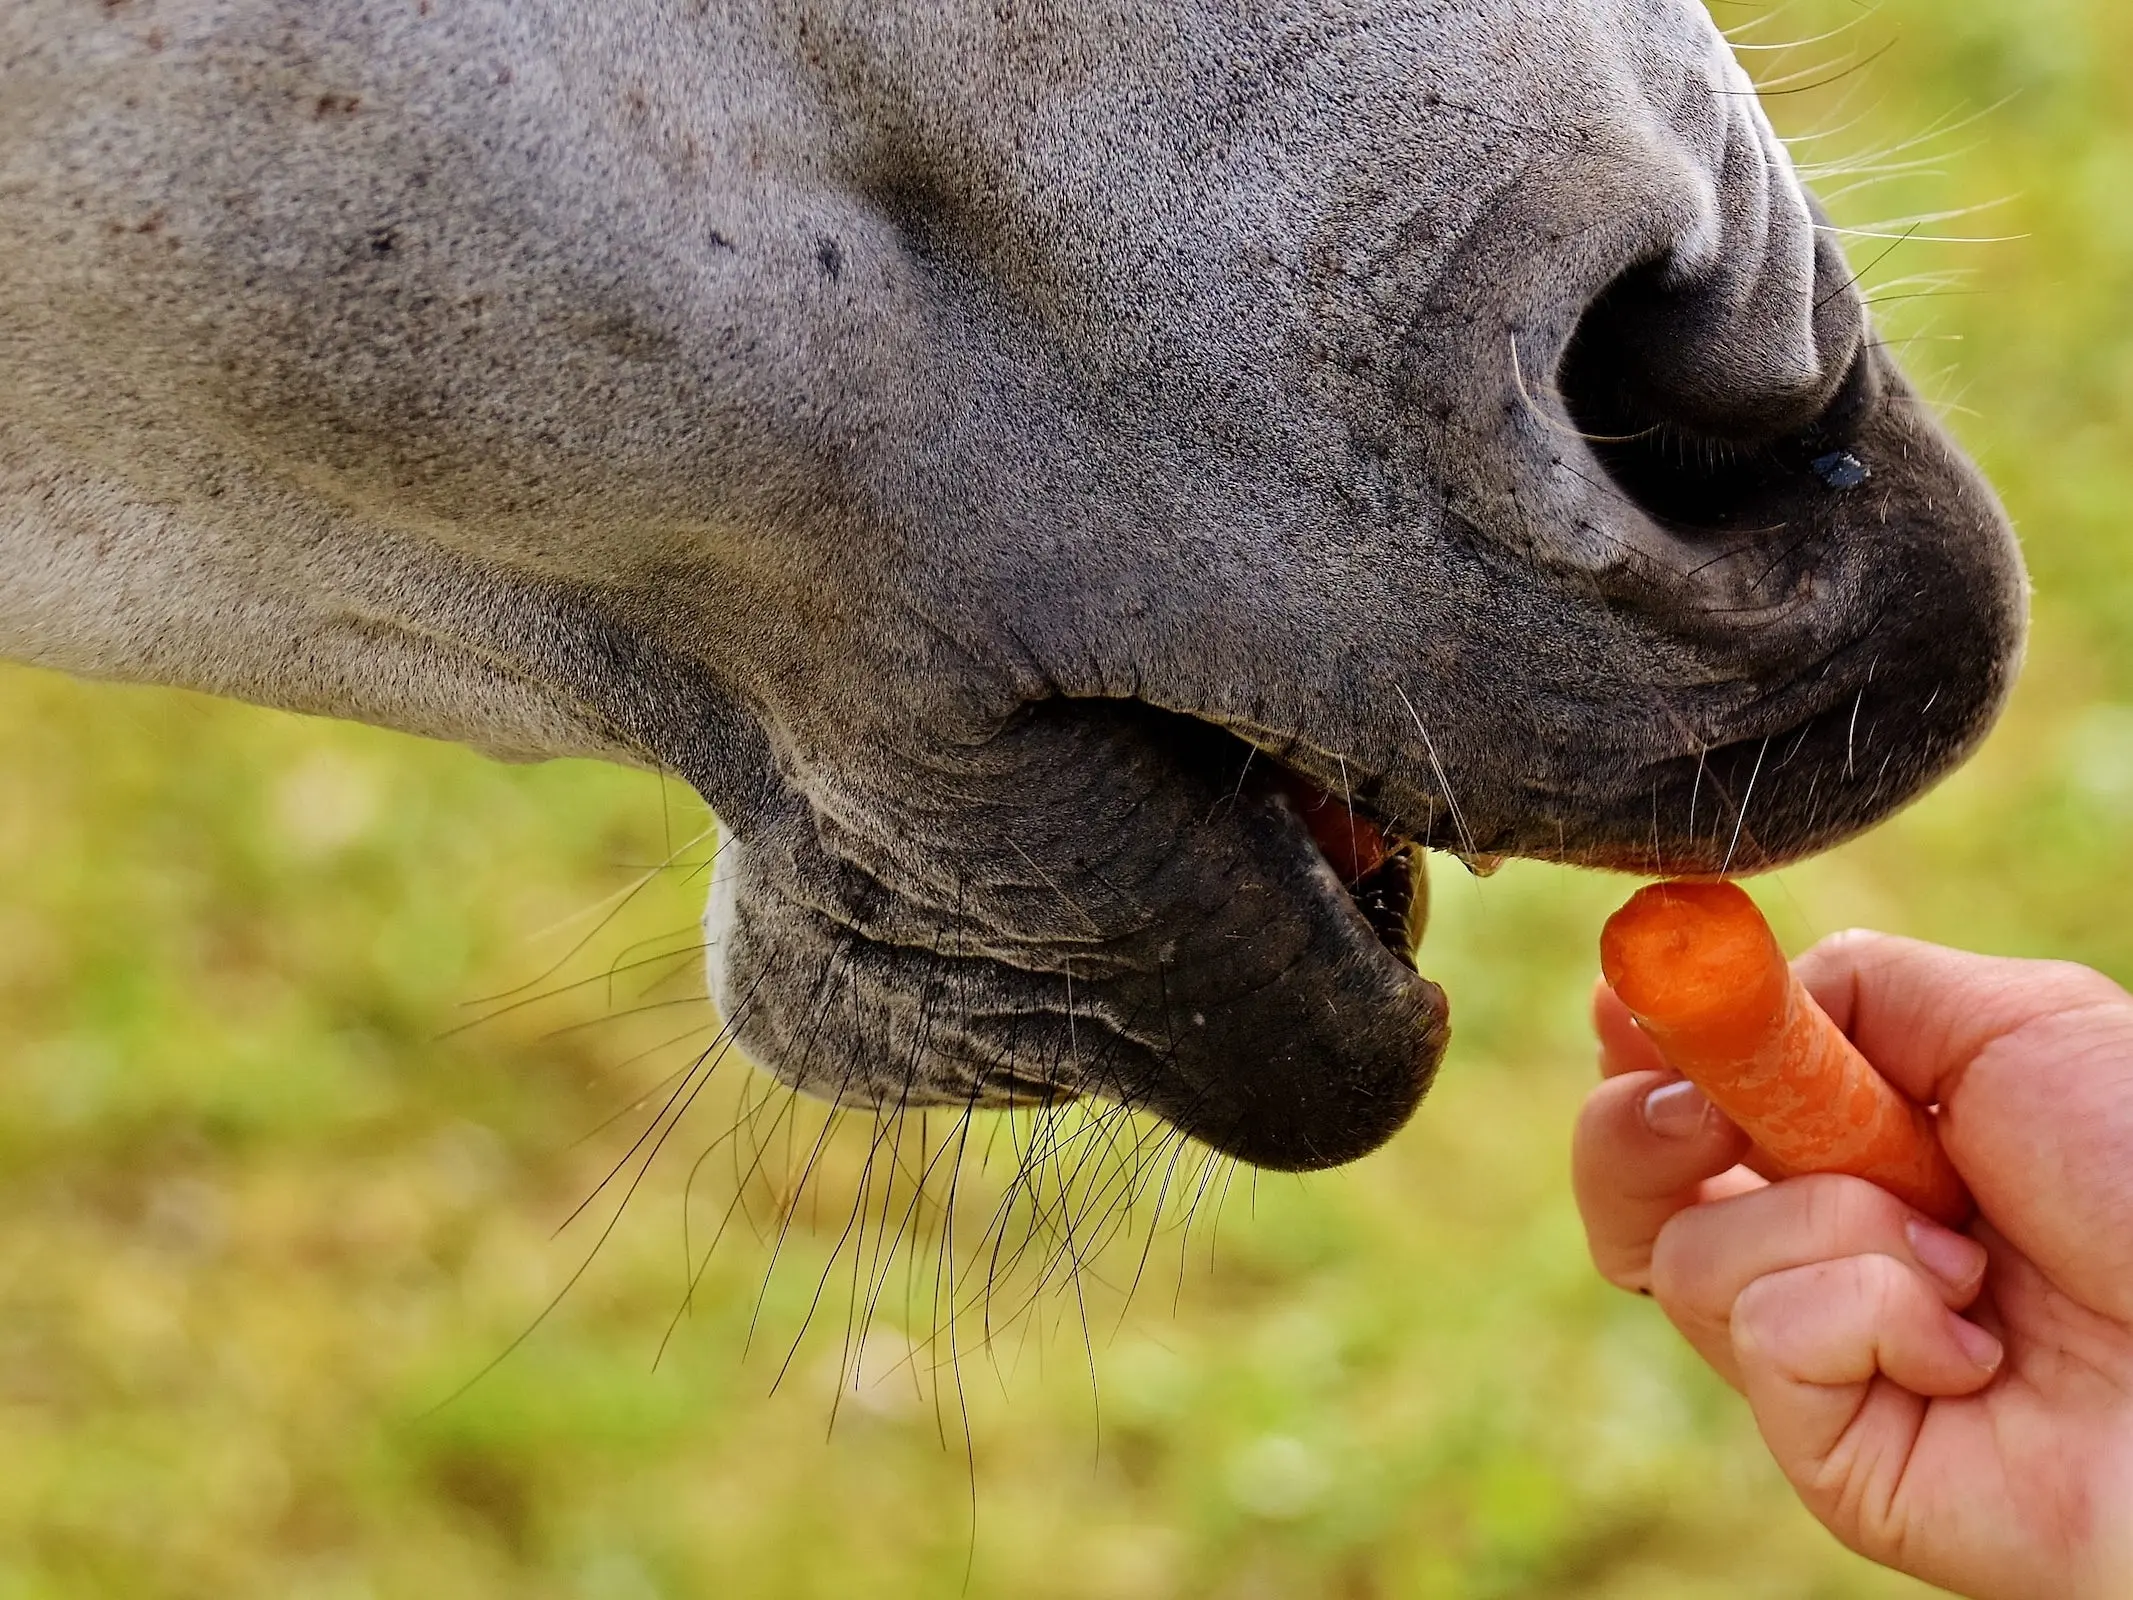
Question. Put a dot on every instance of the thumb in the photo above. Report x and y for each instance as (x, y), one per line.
(1921, 1012)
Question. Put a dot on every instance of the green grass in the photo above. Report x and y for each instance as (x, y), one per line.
(262, 1212)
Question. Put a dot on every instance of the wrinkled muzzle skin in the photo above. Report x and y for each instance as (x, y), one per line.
(991, 450)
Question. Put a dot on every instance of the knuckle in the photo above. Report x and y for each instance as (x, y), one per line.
(1851, 941)
(1850, 951)
(1756, 1298)
(1884, 1286)
(1759, 1312)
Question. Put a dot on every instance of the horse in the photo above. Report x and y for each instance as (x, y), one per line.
(1089, 491)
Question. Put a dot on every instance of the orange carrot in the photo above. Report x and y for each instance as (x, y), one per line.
(1701, 972)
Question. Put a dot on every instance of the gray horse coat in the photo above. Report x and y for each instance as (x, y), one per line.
(997, 450)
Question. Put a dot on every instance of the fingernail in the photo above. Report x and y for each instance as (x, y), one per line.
(1981, 1347)
(1676, 1111)
(1956, 1261)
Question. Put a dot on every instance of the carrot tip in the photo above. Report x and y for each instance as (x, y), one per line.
(1680, 951)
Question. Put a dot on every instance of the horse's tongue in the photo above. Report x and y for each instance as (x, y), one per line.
(1354, 845)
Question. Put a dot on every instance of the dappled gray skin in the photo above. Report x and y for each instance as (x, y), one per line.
(973, 443)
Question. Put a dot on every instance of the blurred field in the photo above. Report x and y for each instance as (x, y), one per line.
(262, 1212)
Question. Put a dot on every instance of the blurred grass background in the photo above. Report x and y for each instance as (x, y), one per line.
(262, 1212)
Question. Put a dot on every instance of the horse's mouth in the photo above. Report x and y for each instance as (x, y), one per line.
(1211, 922)
(1385, 874)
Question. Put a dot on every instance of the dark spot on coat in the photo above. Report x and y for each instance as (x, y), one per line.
(831, 257)
(383, 240)
(939, 223)
(336, 105)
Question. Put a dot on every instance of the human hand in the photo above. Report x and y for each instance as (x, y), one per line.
(1992, 1453)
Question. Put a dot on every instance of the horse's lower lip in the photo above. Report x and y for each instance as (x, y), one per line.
(1383, 873)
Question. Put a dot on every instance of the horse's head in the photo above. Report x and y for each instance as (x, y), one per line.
(1018, 460)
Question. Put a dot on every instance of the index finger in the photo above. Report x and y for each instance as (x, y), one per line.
(1626, 1048)
(1921, 1012)
(1623, 1045)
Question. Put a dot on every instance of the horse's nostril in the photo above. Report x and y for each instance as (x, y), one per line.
(1684, 463)
(1744, 335)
